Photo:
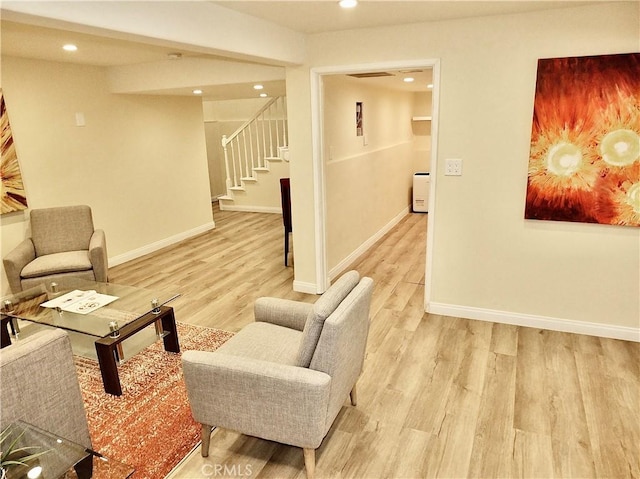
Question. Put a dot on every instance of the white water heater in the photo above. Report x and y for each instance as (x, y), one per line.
(421, 184)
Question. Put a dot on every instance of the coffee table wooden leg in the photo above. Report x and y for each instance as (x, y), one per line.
(84, 468)
(109, 368)
(5, 339)
(169, 325)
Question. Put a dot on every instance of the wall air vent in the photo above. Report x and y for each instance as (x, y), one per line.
(371, 75)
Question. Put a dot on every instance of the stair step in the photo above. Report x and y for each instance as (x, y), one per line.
(261, 168)
(225, 197)
(249, 178)
(273, 158)
(284, 153)
(237, 188)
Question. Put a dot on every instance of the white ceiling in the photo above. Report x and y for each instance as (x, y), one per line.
(303, 16)
(31, 41)
(325, 15)
(38, 42)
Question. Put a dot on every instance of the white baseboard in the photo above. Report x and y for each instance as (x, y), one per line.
(540, 322)
(302, 287)
(344, 264)
(251, 209)
(150, 248)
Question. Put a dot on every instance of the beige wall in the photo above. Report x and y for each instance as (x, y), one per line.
(140, 162)
(367, 185)
(486, 257)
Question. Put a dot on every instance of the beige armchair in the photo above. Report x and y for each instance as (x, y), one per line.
(40, 386)
(286, 376)
(63, 243)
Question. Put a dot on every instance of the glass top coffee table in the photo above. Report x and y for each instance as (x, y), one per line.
(128, 310)
(57, 457)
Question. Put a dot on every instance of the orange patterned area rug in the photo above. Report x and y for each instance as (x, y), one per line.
(150, 426)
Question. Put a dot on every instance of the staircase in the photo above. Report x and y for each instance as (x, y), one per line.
(256, 156)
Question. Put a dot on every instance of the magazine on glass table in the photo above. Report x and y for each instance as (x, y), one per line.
(81, 302)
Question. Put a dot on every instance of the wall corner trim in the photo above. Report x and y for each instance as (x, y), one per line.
(302, 287)
(252, 209)
(155, 246)
(539, 322)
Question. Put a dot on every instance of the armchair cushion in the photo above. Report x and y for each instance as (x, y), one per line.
(57, 263)
(321, 310)
(55, 230)
(265, 342)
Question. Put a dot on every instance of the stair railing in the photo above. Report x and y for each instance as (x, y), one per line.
(258, 139)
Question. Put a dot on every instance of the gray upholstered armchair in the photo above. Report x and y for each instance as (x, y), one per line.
(40, 386)
(63, 243)
(286, 376)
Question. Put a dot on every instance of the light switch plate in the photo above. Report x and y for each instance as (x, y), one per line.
(80, 119)
(453, 167)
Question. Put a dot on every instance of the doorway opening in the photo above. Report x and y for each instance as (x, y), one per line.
(347, 143)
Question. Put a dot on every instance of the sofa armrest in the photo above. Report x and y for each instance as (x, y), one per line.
(98, 255)
(283, 403)
(283, 312)
(40, 386)
(16, 260)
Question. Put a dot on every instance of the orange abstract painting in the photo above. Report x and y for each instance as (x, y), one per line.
(584, 164)
(12, 196)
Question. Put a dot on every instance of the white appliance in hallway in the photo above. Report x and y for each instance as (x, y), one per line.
(421, 185)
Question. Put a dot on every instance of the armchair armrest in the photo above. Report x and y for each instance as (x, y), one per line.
(98, 255)
(283, 312)
(284, 403)
(16, 260)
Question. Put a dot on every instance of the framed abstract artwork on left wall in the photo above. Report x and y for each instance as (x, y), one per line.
(13, 196)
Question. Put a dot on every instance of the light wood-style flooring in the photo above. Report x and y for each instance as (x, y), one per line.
(439, 396)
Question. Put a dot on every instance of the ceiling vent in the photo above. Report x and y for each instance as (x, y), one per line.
(371, 75)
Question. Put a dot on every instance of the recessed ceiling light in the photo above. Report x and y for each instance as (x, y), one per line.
(258, 87)
(348, 3)
(408, 79)
(197, 92)
(69, 47)
(263, 95)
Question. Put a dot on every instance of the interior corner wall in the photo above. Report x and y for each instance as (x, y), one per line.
(215, 158)
(139, 162)
(486, 256)
(367, 178)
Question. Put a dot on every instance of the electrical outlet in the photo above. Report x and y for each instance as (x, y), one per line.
(453, 167)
